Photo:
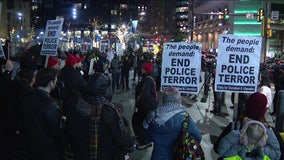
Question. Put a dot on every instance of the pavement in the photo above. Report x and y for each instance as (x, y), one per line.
(209, 124)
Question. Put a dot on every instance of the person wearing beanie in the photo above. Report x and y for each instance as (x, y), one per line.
(255, 109)
(71, 60)
(146, 100)
(53, 63)
(163, 124)
(73, 81)
(256, 106)
(147, 67)
(253, 141)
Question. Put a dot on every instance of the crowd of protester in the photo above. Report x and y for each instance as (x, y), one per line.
(57, 105)
(50, 109)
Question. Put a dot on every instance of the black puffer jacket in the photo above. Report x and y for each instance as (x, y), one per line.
(74, 84)
(146, 96)
(41, 117)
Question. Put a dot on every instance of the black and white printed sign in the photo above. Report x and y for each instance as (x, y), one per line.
(51, 37)
(181, 65)
(238, 63)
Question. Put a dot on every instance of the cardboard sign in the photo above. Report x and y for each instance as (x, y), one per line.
(51, 37)
(181, 66)
(238, 63)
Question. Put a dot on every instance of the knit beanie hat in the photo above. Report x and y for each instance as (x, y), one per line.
(78, 59)
(52, 61)
(71, 60)
(148, 67)
(256, 106)
(170, 95)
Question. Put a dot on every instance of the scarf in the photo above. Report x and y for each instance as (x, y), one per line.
(98, 102)
(163, 113)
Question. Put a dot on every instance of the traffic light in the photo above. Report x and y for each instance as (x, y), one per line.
(226, 13)
(260, 14)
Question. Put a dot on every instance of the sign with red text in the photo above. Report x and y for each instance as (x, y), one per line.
(181, 66)
(51, 37)
(238, 63)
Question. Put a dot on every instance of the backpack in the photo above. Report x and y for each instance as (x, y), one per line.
(187, 147)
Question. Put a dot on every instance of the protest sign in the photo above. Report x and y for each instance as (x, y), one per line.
(2, 52)
(238, 63)
(51, 37)
(181, 65)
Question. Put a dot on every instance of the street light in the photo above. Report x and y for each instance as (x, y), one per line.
(20, 18)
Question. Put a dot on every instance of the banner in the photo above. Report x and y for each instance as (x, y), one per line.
(51, 37)
(181, 64)
(238, 63)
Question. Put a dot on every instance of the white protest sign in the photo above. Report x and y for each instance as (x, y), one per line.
(2, 52)
(181, 65)
(238, 63)
(119, 49)
(51, 37)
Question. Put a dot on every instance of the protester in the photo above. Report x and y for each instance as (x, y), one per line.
(115, 69)
(42, 119)
(157, 69)
(253, 141)
(53, 63)
(164, 124)
(255, 109)
(19, 88)
(126, 66)
(264, 74)
(146, 100)
(279, 86)
(101, 63)
(74, 83)
(135, 68)
(97, 129)
(265, 89)
(140, 62)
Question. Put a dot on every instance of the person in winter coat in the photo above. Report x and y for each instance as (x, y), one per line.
(115, 69)
(42, 119)
(5, 80)
(126, 66)
(253, 141)
(164, 124)
(20, 87)
(255, 109)
(98, 131)
(264, 89)
(74, 83)
(146, 100)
